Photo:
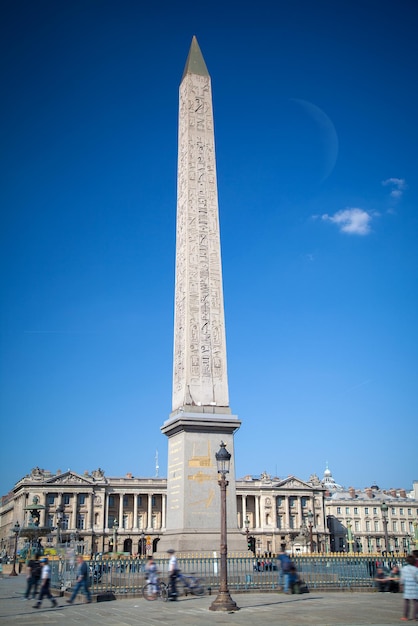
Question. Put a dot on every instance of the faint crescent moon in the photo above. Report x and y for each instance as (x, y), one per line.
(328, 134)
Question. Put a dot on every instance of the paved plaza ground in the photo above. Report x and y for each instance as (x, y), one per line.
(256, 609)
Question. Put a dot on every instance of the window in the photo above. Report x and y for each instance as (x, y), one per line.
(292, 501)
(347, 510)
(357, 525)
(403, 527)
(80, 521)
(368, 526)
(411, 527)
(338, 510)
(125, 521)
(140, 521)
(125, 501)
(396, 542)
(292, 521)
(393, 511)
(154, 521)
(366, 510)
(374, 510)
(50, 521)
(65, 522)
(50, 499)
(279, 501)
(376, 525)
(139, 500)
(401, 511)
(409, 511)
(81, 498)
(377, 542)
(66, 498)
(355, 510)
(395, 526)
(111, 500)
(153, 501)
(304, 502)
(279, 521)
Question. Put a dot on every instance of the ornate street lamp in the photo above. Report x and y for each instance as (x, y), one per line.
(60, 514)
(15, 531)
(384, 508)
(349, 536)
(247, 532)
(310, 516)
(407, 544)
(223, 601)
(115, 535)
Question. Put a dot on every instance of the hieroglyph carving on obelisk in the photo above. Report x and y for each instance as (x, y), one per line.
(200, 370)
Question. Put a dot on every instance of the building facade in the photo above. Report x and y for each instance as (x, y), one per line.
(102, 514)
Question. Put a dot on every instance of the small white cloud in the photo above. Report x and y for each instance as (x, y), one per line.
(398, 186)
(352, 221)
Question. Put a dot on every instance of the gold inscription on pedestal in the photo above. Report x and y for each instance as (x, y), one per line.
(200, 477)
(200, 460)
(206, 502)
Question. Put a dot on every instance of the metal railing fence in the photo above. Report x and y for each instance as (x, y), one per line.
(126, 576)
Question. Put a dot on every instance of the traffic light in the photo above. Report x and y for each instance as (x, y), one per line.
(251, 544)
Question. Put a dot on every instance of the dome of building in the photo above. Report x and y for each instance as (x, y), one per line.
(329, 483)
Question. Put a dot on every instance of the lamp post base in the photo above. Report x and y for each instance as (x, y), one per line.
(223, 602)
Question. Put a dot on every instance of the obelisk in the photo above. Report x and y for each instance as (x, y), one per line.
(201, 416)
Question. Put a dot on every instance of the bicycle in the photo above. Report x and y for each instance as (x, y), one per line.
(192, 584)
(152, 591)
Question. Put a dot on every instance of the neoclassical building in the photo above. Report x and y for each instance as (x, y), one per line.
(371, 520)
(128, 514)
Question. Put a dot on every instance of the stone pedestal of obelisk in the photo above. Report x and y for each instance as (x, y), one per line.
(201, 417)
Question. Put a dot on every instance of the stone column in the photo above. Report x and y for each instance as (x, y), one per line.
(149, 521)
(244, 510)
(121, 495)
(135, 524)
(106, 520)
(300, 511)
(285, 518)
(257, 511)
(73, 523)
(163, 510)
(91, 511)
(42, 512)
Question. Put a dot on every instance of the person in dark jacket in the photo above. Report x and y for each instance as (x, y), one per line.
(33, 577)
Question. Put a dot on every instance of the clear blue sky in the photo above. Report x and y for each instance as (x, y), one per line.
(316, 137)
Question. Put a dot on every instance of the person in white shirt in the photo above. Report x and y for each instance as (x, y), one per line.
(172, 572)
(409, 585)
(45, 583)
